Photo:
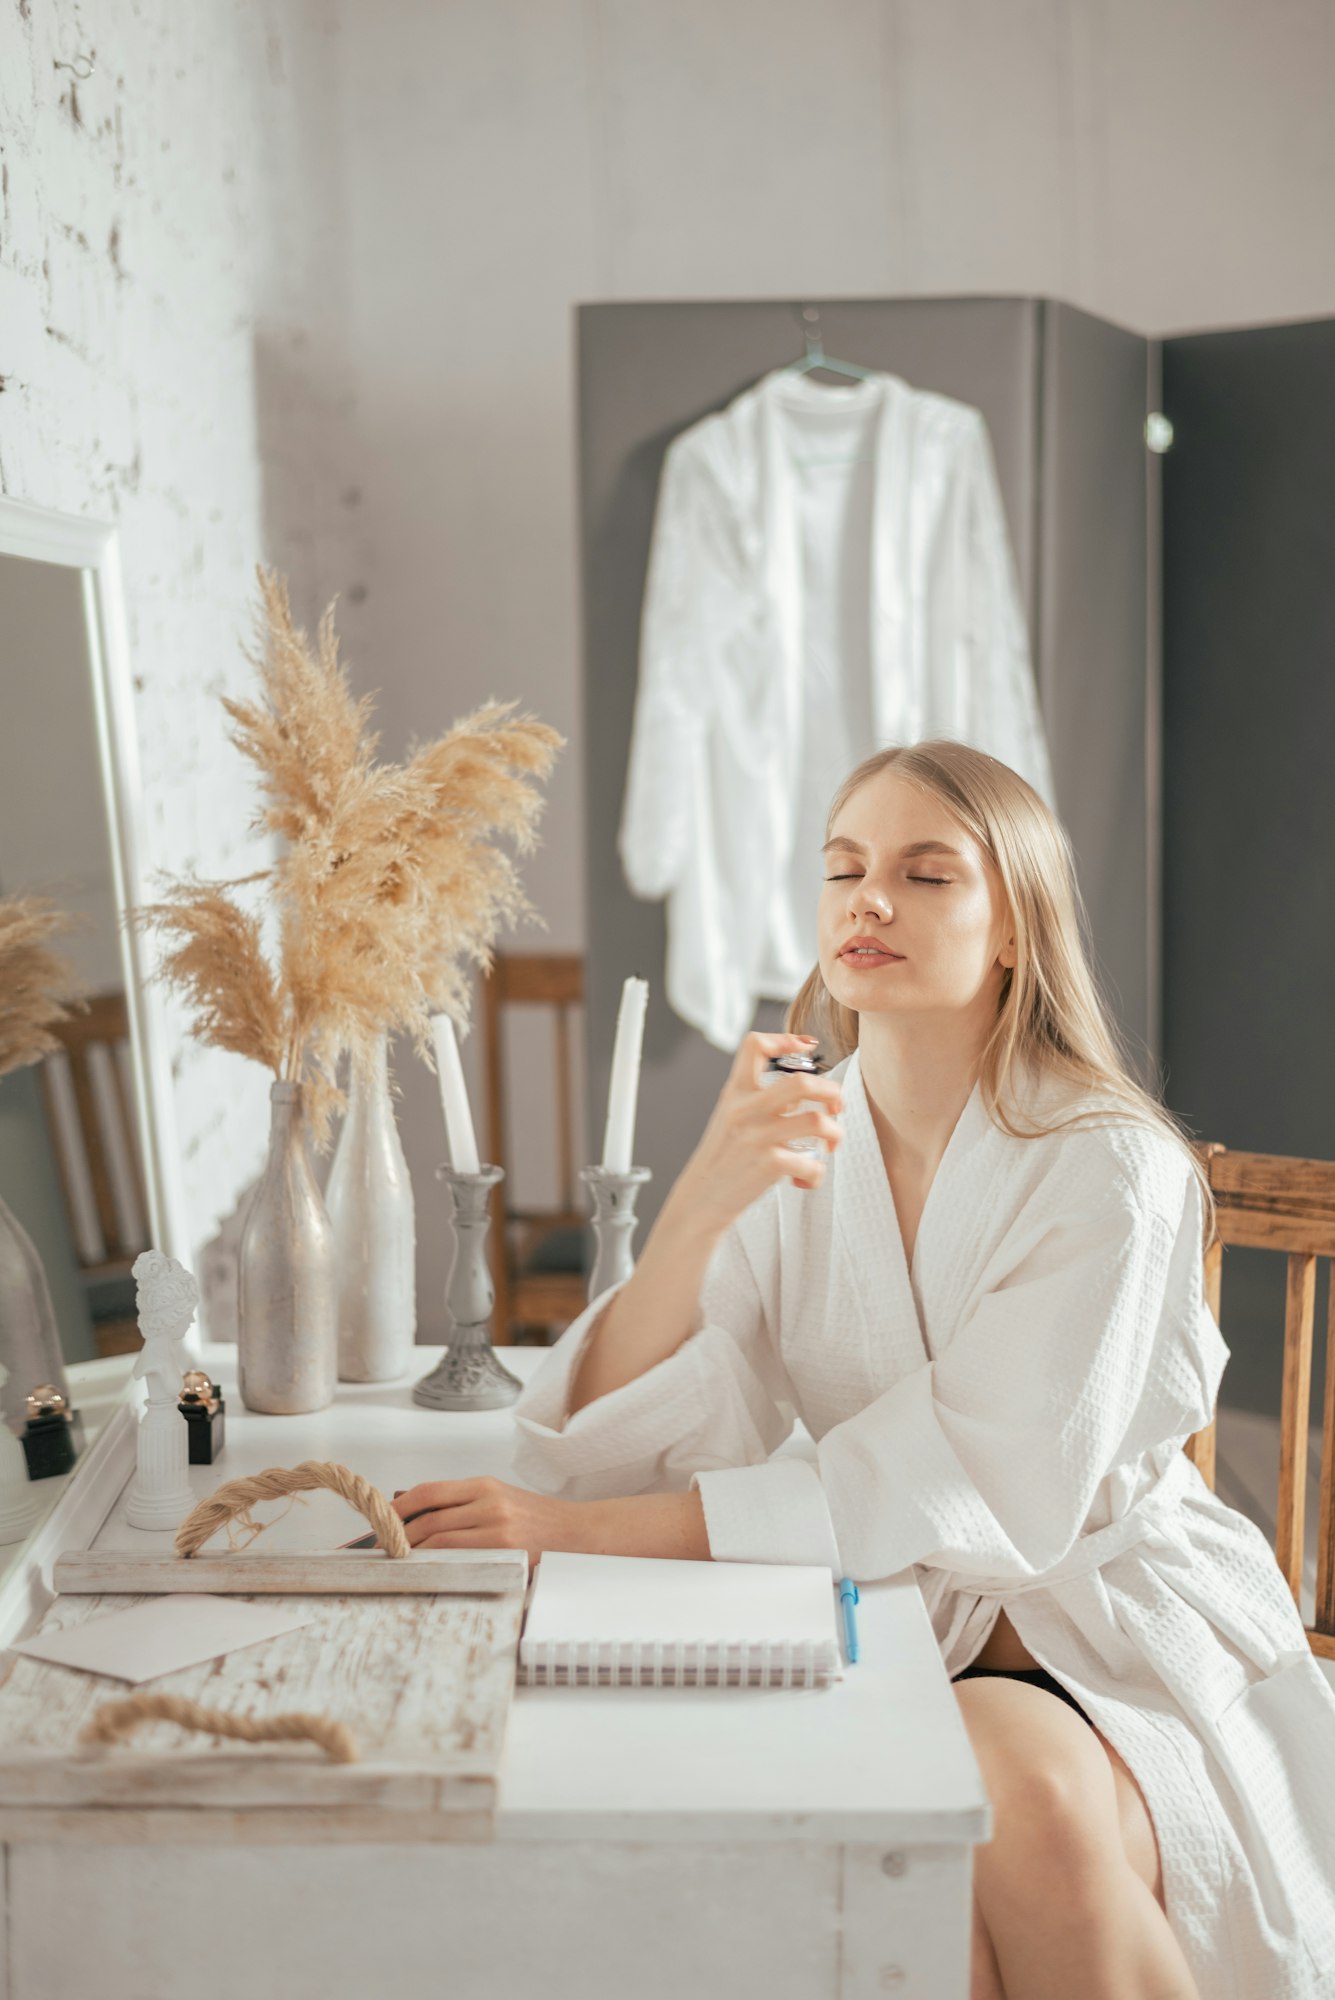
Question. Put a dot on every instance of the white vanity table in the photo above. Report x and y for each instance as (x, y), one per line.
(652, 1843)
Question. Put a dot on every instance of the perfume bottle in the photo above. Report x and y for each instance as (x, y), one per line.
(800, 1063)
(53, 1434)
(204, 1411)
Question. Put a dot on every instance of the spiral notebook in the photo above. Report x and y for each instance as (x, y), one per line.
(636, 1621)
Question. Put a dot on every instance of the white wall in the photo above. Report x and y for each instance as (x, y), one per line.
(297, 279)
(1166, 163)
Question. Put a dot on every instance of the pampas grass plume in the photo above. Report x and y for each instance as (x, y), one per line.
(388, 884)
(37, 984)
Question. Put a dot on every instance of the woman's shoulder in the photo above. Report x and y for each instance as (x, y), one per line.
(1100, 1145)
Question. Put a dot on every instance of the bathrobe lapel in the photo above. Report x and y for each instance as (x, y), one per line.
(898, 1302)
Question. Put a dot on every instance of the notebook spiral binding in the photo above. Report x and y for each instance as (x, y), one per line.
(681, 1663)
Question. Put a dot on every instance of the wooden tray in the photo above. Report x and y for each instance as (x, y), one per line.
(424, 1682)
(476, 1572)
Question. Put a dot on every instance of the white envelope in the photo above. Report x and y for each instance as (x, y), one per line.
(162, 1635)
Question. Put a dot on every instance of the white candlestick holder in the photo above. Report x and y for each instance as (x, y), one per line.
(614, 1223)
(469, 1375)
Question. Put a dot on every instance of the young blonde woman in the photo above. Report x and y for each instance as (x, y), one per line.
(983, 1299)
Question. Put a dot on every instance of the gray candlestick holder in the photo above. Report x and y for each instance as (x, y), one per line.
(469, 1375)
(614, 1223)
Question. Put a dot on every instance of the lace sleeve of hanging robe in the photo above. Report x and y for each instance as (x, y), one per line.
(695, 594)
(1007, 720)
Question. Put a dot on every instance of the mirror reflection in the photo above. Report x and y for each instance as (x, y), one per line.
(70, 1154)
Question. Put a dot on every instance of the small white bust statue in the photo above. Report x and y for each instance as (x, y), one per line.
(166, 1297)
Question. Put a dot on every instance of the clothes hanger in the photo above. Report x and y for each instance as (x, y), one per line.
(816, 357)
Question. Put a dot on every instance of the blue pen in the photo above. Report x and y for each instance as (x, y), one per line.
(848, 1597)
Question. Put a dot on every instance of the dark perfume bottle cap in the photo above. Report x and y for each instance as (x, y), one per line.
(800, 1063)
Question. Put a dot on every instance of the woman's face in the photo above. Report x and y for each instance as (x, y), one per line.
(913, 918)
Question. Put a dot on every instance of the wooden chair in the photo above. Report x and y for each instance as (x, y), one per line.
(1271, 1202)
(538, 1256)
(89, 1095)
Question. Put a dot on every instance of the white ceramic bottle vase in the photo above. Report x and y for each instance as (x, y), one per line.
(287, 1334)
(370, 1202)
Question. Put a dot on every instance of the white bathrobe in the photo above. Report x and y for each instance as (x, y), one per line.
(830, 573)
(1007, 1419)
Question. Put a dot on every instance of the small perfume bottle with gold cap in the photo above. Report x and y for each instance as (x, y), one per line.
(53, 1434)
(204, 1411)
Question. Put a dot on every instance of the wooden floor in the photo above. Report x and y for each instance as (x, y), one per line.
(1247, 1478)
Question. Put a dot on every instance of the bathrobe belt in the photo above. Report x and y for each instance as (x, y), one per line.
(1154, 1526)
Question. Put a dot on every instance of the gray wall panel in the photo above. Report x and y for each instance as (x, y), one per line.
(1092, 645)
(1249, 804)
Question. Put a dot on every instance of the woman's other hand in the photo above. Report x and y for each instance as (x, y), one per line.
(487, 1513)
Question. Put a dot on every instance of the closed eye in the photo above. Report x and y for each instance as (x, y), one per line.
(939, 881)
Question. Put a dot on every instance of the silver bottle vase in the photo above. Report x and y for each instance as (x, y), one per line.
(287, 1333)
(29, 1338)
(370, 1202)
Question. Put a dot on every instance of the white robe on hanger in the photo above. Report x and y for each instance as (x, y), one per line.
(830, 573)
(1006, 1418)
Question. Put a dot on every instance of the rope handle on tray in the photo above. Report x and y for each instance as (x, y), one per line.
(233, 1501)
(117, 1719)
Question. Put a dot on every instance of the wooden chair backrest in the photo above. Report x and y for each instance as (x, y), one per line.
(1270, 1201)
(90, 1107)
(546, 979)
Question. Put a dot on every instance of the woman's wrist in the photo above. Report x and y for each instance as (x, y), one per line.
(665, 1525)
(688, 1222)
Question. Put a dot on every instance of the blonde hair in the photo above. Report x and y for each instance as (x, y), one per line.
(1051, 1017)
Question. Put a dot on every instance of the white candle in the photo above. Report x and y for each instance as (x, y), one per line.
(454, 1097)
(619, 1136)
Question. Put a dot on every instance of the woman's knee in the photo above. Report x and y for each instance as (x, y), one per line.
(1053, 1799)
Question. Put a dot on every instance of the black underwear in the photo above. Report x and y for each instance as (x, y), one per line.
(1036, 1677)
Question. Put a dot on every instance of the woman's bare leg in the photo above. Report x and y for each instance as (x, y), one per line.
(1066, 1911)
(984, 1972)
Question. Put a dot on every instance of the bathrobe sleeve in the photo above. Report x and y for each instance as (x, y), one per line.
(1006, 720)
(723, 1399)
(1085, 1350)
(695, 594)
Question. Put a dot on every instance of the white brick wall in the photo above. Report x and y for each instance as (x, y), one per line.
(166, 234)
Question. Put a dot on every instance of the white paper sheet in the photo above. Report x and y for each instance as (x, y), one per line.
(162, 1635)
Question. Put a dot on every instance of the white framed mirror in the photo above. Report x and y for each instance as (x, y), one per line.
(87, 1138)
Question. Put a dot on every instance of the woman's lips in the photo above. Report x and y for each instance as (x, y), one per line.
(870, 954)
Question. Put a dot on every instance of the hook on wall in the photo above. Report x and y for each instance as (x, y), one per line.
(81, 68)
(809, 319)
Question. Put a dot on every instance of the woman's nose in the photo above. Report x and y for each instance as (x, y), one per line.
(870, 901)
